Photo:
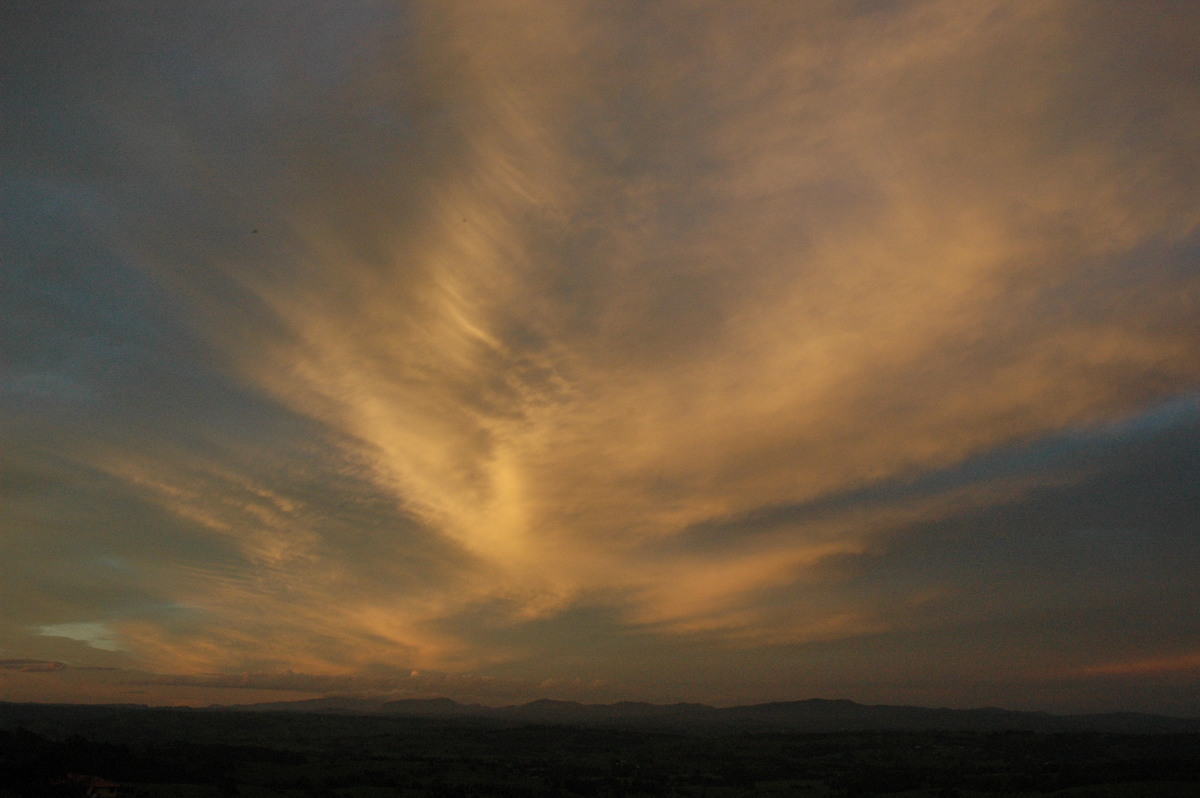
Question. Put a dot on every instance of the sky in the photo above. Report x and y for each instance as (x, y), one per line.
(599, 351)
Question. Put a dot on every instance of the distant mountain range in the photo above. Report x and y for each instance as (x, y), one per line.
(813, 715)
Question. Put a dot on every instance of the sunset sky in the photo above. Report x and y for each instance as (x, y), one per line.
(668, 351)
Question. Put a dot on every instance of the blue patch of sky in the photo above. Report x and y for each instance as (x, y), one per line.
(72, 314)
(1071, 451)
(82, 328)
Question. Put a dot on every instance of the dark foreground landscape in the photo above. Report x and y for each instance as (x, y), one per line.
(439, 748)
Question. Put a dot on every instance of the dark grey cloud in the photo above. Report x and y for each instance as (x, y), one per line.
(31, 665)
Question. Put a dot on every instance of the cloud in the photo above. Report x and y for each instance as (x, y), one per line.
(400, 338)
(96, 635)
(31, 665)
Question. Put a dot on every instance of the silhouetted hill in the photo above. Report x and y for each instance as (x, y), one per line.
(580, 750)
(433, 708)
(817, 715)
(337, 705)
(811, 715)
